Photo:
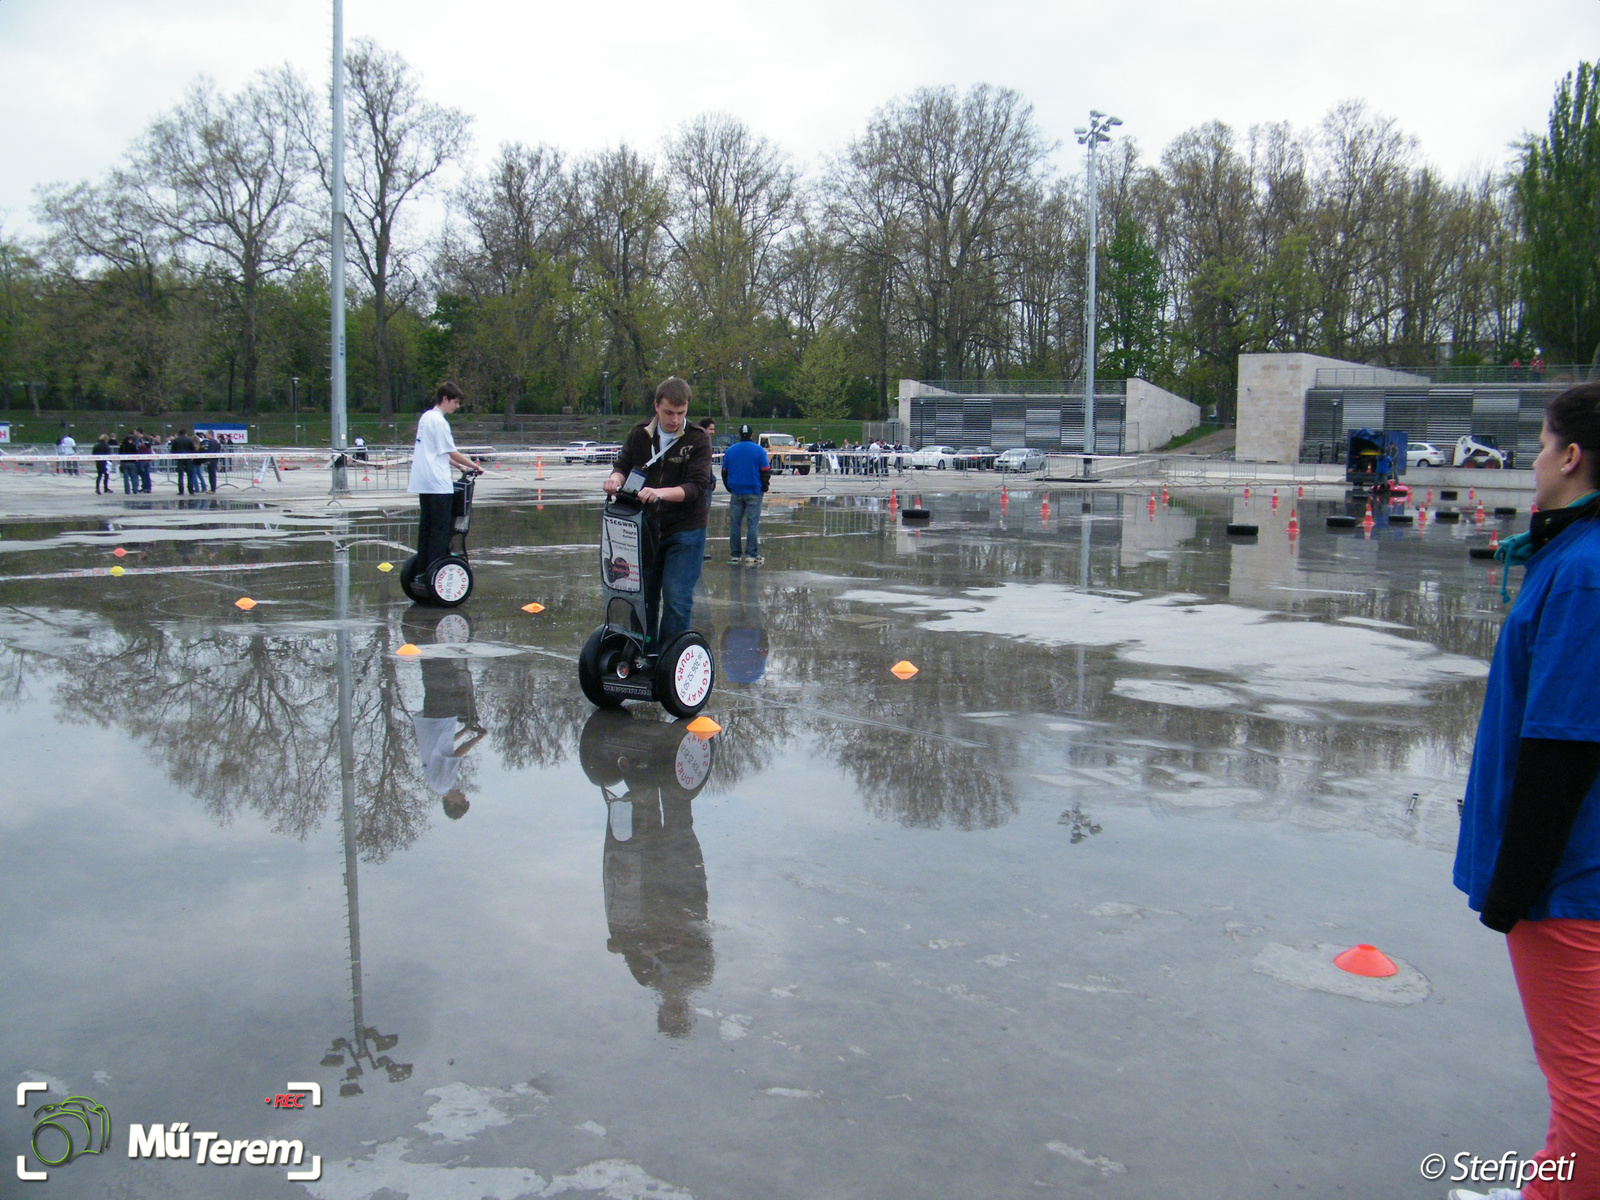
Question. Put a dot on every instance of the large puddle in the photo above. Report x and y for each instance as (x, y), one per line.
(1046, 916)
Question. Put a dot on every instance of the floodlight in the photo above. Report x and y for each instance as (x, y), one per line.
(1114, 121)
(1096, 113)
(1080, 131)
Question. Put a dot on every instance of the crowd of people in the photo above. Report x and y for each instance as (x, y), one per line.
(192, 458)
(860, 458)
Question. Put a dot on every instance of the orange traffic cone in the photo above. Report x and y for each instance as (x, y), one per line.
(1366, 960)
(1274, 499)
(1430, 497)
(1247, 491)
(1478, 516)
(1494, 539)
(1301, 494)
(1044, 509)
(1294, 523)
(540, 463)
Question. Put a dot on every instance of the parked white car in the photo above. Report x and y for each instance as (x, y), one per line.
(578, 451)
(1426, 454)
(1020, 458)
(933, 456)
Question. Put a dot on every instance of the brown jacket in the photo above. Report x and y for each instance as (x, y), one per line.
(686, 465)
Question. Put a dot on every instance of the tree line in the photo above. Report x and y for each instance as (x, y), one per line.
(939, 243)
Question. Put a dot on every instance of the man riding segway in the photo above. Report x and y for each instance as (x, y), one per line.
(665, 467)
(431, 459)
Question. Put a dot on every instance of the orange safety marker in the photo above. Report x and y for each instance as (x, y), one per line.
(119, 552)
(533, 608)
(1274, 499)
(1494, 539)
(408, 651)
(1247, 491)
(902, 670)
(703, 727)
(117, 571)
(385, 567)
(1301, 494)
(1430, 497)
(1478, 516)
(1366, 960)
(244, 603)
(1044, 509)
(1472, 494)
(1294, 522)
(540, 460)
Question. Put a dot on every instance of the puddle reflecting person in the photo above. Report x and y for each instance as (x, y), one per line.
(744, 638)
(1529, 850)
(449, 714)
(654, 873)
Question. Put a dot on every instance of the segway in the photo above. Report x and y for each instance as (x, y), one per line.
(448, 581)
(615, 664)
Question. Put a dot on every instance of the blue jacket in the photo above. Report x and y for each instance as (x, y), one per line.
(745, 468)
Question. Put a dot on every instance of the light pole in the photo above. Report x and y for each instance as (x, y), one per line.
(336, 392)
(294, 405)
(1091, 137)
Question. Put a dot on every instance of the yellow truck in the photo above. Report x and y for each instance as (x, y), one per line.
(785, 453)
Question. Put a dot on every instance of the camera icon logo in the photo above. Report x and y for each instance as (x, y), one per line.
(77, 1126)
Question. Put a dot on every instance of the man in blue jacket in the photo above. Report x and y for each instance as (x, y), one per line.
(747, 475)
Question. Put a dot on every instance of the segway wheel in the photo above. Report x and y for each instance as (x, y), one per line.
(590, 669)
(412, 586)
(684, 675)
(450, 581)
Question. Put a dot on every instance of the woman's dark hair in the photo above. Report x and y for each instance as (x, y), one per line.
(1574, 416)
(443, 390)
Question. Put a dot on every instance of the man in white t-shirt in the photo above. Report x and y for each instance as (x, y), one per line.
(431, 459)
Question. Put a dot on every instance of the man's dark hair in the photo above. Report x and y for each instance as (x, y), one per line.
(709, 423)
(673, 390)
(443, 390)
(1574, 416)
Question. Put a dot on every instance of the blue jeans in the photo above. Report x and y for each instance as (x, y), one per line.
(744, 510)
(670, 582)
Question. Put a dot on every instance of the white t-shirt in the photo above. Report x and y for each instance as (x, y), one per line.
(436, 742)
(430, 458)
(667, 439)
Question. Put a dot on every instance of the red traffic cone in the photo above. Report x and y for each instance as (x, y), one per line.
(1301, 494)
(1478, 516)
(1494, 539)
(1366, 960)
(1247, 491)
(1294, 523)
(1274, 499)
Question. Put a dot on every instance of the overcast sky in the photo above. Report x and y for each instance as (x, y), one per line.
(83, 77)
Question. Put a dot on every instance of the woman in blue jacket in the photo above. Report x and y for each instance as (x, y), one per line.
(1529, 851)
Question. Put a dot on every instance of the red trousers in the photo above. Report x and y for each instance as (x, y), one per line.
(1557, 965)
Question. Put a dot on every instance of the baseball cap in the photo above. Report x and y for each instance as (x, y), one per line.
(744, 431)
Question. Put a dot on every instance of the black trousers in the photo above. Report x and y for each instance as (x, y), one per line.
(435, 518)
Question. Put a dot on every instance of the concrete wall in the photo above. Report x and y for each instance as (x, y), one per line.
(1272, 402)
(1155, 416)
(909, 389)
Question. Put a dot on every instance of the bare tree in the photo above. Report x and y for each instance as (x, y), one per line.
(397, 142)
(621, 208)
(736, 203)
(222, 176)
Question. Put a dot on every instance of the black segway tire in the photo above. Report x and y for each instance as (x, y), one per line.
(685, 675)
(1341, 521)
(1239, 529)
(1481, 552)
(450, 582)
(409, 584)
(589, 672)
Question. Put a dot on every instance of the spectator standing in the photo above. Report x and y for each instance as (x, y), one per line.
(65, 449)
(102, 464)
(710, 426)
(182, 447)
(1528, 856)
(747, 474)
(146, 452)
(125, 463)
(212, 447)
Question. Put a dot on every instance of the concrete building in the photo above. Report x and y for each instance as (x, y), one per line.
(1300, 407)
(1131, 416)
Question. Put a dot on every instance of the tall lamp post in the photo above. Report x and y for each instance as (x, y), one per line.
(1091, 137)
(336, 392)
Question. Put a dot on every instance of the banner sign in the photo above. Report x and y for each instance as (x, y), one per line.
(228, 435)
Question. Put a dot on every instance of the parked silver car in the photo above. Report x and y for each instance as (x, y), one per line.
(1020, 458)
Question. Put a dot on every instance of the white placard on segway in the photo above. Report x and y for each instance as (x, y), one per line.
(632, 484)
(620, 565)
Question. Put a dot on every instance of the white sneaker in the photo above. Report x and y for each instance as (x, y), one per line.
(1496, 1194)
(754, 560)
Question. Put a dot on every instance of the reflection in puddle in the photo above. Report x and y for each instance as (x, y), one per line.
(995, 876)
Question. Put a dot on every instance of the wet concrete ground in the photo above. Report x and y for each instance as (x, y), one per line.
(1050, 917)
